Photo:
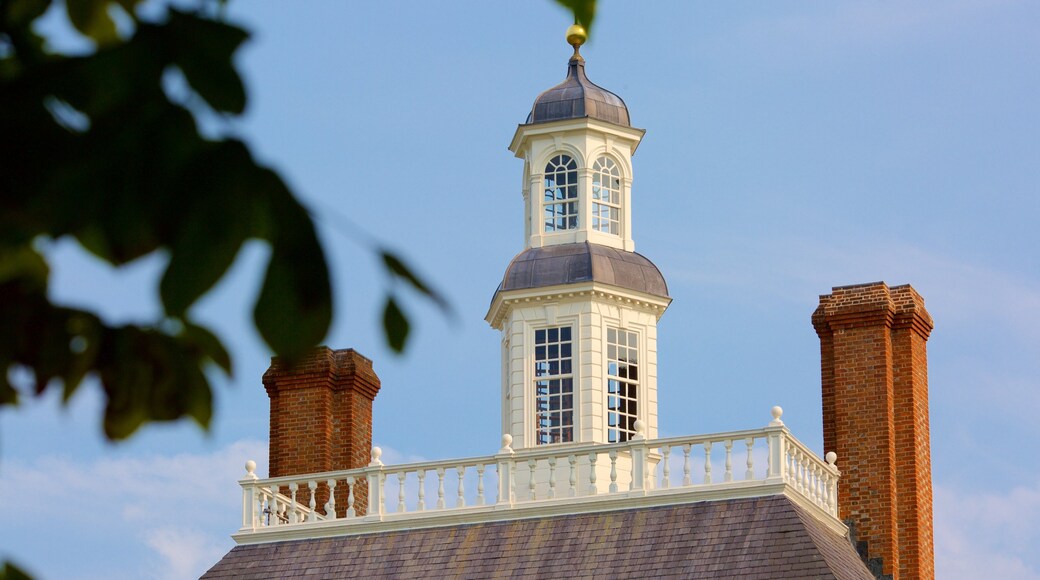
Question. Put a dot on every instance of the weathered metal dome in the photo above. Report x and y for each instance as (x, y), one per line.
(577, 97)
(583, 262)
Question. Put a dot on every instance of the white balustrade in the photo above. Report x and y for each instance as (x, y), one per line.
(491, 482)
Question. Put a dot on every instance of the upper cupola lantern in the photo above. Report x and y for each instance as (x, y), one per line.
(577, 144)
(577, 96)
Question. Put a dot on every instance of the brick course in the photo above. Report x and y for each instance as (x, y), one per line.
(321, 419)
(874, 373)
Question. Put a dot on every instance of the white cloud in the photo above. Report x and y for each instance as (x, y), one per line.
(165, 516)
(987, 535)
(185, 552)
(795, 269)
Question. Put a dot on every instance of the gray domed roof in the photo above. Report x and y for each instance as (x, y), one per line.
(576, 97)
(583, 262)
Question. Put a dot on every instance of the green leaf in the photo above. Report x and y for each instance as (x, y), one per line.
(204, 250)
(395, 325)
(12, 572)
(397, 267)
(21, 13)
(91, 18)
(584, 12)
(208, 344)
(150, 376)
(205, 56)
(294, 309)
(8, 396)
(23, 263)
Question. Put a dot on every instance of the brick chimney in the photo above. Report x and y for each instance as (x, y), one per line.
(321, 418)
(875, 417)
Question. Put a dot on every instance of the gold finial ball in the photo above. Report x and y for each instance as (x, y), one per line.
(576, 35)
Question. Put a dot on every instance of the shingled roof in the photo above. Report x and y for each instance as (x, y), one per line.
(765, 537)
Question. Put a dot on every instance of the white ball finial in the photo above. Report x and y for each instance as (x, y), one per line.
(250, 469)
(507, 442)
(376, 454)
(640, 428)
(831, 457)
(777, 412)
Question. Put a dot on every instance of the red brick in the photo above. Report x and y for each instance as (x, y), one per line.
(874, 372)
(321, 419)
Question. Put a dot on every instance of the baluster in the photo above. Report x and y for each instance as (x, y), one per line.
(480, 484)
(268, 509)
(552, 477)
(815, 483)
(530, 479)
(798, 466)
(806, 482)
(440, 488)
(613, 471)
(272, 506)
(313, 486)
(401, 508)
(295, 507)
(832, 483)
(666, 473)
(707, 462)
(283, 508)
(750, 473)
(330, 506)
(803, 482)
(573, 479)
(422, 490)
(729, 461)
(592, 472)
(460, 501)
(686, 479)
(351, 512)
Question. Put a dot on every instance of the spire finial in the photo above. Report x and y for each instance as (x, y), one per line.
(576, 36)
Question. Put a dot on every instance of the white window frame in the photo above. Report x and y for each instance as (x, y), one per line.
(606, 168)
(565, 432)
(624, 394)
(566, 165)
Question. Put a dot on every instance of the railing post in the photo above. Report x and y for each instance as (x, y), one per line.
(638, 458)
(505, 471)
(776, 445)
(249, 496)
(375, 486)
(832, 483)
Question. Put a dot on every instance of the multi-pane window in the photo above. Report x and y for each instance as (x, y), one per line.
(554, 385)
(622, 384)
(606, 196)
(561, 194)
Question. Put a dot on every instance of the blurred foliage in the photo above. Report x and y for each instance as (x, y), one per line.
(94, 148)
(584, 12)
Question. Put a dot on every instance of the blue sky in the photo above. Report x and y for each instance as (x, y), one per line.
(790, 147)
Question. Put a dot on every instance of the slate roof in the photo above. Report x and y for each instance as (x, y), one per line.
(578, 97)
(583, 262)
(767, 537)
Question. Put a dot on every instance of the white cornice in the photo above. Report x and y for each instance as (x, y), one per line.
(506, 301)
(524, 132)
(539, 509)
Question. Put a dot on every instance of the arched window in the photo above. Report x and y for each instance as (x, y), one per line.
(606, 196)
(561, 194)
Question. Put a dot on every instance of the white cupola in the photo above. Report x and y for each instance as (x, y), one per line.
(578, 308)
